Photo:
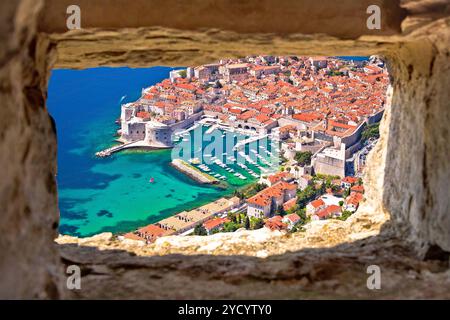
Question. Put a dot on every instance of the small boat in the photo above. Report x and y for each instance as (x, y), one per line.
(152, 180)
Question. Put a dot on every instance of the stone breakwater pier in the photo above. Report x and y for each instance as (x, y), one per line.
(130, 145)
(109, 151)
(193, 172)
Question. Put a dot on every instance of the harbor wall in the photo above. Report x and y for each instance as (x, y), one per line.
(193, 172)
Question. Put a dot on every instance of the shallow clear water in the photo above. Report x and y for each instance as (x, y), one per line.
(114, 194)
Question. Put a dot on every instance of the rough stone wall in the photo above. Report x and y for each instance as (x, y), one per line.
(337, 272)
(241, 16)
(29, 216)
(417, 168)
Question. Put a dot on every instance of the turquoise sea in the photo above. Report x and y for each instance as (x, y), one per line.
(114, 194)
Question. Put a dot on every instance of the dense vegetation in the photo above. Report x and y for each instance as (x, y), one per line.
(345, 215)
(303, 158)
(200, 230)
(318, 187)
(250, 190)
(309, 194)
(371, 131)
(335, 73)
(241, 220)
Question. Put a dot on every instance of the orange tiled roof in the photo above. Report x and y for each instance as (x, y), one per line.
(349, 179)
(215, 222)
(307, 117)
(264, 197)
(328, 211)
(152, 230)
(359, 189)
(278, 176)
(293, 217)
(317, 203)
(290, 204)
(133, 236)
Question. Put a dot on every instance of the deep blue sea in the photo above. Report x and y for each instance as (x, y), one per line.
(354, 58)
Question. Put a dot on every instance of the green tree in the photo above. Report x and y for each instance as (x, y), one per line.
(260, 186)
(322, 189)
(292, 210)
(183, 73)
(247, 223)
(345, 215)
(251, 190)
(335, 188)
(281, 211)
(230, 227)
(303, 158)
(308, 194)
(346, 193)
(302, 213)
(200, 230)
(371, 131)
(258, 223)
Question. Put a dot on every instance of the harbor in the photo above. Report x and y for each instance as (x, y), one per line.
(247, 162)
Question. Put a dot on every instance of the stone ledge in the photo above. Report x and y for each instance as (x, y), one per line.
(338, 272)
